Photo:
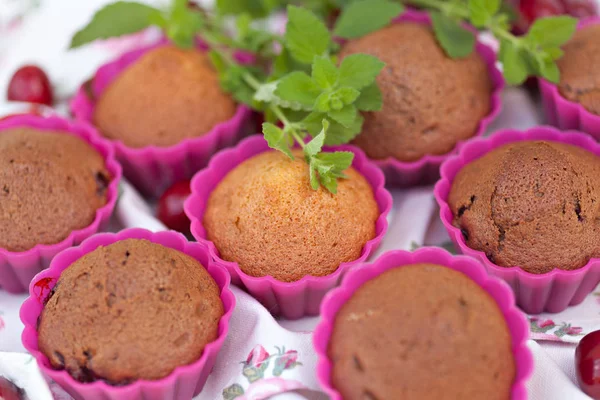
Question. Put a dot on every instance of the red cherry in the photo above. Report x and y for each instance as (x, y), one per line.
(531, 10)
(587, 364)
(31, 84)
(8, 391)
(170, 207)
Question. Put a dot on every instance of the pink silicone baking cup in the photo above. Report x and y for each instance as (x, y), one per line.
(427, 169)
(185, 381)
(153, 169)
(517, 324)
(18, 268)
(291, 300)
(566, 114)
(535, 293)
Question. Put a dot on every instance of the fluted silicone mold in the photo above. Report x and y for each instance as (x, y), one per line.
(185, 381)
(535, 293)
(427, 169)
(289, 299)
(517, 324)
(18, 268)
(153, 169)
(566, 114)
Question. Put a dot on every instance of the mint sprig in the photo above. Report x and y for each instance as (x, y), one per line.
(533, 54)
(306, 93)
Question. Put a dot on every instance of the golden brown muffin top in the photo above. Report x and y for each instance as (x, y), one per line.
(579, 69)
(51, 183)
(430, 101)
(265, 216)
(130, 310)
(421, 332)
(532, 204)
(167, 95)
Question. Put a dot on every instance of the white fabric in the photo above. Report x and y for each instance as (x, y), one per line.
(42, 37)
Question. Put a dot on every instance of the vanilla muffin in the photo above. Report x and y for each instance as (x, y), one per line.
(51, 183)
(167, 95)
(265, 216)
(127, 311)
(579, 72)
(421, 332)
(430, 101)
(532, 204)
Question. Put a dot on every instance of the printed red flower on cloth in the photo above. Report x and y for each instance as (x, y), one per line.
(263, 381)
(257, 356)
(288, 360)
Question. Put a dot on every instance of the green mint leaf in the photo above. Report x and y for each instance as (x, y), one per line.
(554, 53)
(277, 139)
(337, 133)
(339, 160)
(183, 24)
(456, 41)
(348, 95)
(316, 144)
(514, 63)
(370, 98)
(314, 180)
(306, 36)
(482, 11)
(346, 116)
(331, 166)
(552, 31)
(359, 70)
(549, 71)
(324, 72)
(298, 87)
(365, 16)
(117, 19)
(322, 104)
(255, 8)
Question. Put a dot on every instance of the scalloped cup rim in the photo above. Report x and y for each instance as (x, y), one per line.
(102, 239)
(379, 193)
(496, 288)
(99, 145)
(448, 173)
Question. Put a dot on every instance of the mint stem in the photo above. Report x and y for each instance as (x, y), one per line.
(254, 83)
(454, 10)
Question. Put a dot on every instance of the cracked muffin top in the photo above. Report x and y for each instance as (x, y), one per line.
(579, 72)
(430, 101)
(130, 310)
(532, 204)
(164, 97)
(265, 216)
(51, 183)
(421, 332)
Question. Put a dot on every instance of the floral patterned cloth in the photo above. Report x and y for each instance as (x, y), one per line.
(262, 357)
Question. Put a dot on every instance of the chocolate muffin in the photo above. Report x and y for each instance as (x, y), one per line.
(532, 204)
(131, 310)
(421, 332)
(51, 183)
(579, 73)
(430, 101)
(265, 216)
(167, 95)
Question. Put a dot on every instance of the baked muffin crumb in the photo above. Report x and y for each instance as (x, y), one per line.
(51, 183)
(127, 311)
(265, 216)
